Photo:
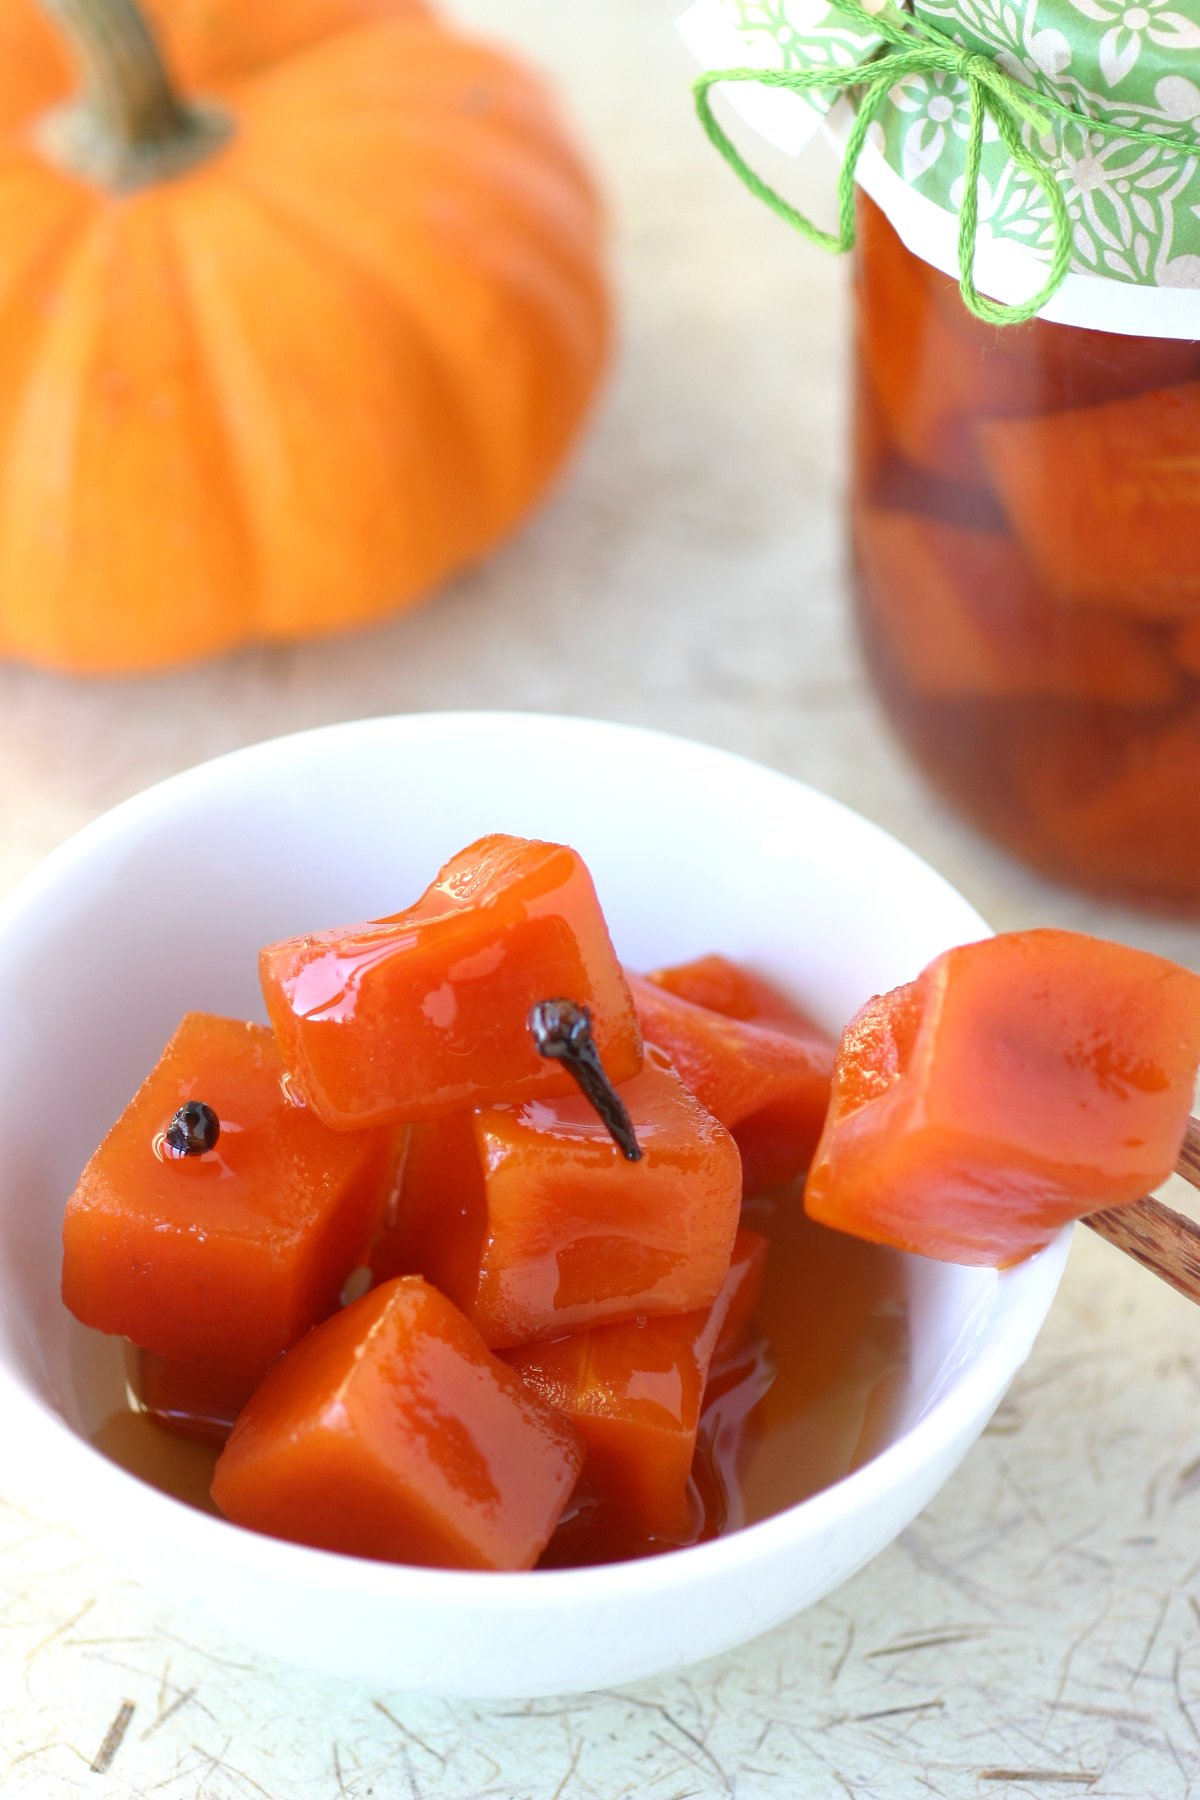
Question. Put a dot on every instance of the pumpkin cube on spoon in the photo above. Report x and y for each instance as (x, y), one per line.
(392, 1432)
(1017, 1084)
(533, 1221)
(218, 1220)
(634, 1392)
(426, 1012)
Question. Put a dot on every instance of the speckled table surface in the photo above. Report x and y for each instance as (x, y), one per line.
(1037, 1631)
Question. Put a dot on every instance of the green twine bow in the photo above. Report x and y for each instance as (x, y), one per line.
(914, 48)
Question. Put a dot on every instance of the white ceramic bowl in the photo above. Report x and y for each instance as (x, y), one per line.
(161, 905)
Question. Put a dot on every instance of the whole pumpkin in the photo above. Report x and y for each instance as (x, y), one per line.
(285, 337)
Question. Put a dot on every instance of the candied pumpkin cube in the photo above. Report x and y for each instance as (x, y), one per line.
(392, 1432)
(964, 615)
(728, 987)
(425, 1013)
(192, 1399)
(532, 1221)
(768, 1086)
(635, 1390)
(229, 1256)
(1106, 498)
(1017, 1084)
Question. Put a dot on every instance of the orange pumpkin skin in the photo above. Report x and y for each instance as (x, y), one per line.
(294, 387)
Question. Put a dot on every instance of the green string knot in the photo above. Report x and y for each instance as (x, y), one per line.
(972, 65)
(914, 47)
(975, 66)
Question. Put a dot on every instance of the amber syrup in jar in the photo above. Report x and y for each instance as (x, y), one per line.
(1025, 508)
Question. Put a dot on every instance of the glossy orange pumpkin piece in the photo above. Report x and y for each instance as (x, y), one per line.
(228, 1257)
(531, 1220)
(192, 1399)
(769, 1086)
(963, 614)
(728, 987)
(293, 386)
(1120, 531)
(392, 1432)
(634, 1392)
(426, 1013)
(1017, 1084)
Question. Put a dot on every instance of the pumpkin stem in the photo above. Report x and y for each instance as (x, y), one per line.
(128, 127)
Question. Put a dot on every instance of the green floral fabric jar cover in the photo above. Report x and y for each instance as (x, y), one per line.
(1049, 153)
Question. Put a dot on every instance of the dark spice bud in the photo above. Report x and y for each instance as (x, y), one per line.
(194, 1129)
(562, 1030)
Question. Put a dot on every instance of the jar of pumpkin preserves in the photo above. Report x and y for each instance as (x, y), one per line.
(1025, 508)
(1022, 185)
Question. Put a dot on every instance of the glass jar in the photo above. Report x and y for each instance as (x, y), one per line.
(1026, 526)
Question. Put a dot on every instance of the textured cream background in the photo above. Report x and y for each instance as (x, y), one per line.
(1037, 1632)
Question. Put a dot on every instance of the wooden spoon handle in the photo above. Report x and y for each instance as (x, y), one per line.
(1162, 1240)
(1189, 1157)
(1165, 1242)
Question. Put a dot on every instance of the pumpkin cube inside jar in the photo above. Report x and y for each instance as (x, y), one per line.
(392, 1432)
(634, 1391)
(936, 371)
(1023, 507)
(1125, 476)
(767, 1082)
(224, 1251)
(1016, 1085)
(1142, 798)
(425, 1013)
(963, 616)
(531, 1219)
